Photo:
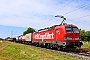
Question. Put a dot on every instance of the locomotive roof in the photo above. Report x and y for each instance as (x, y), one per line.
(48, 28)
(52, 27)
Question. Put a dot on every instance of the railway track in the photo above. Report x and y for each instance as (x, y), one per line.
(82, 54)
(78, 53)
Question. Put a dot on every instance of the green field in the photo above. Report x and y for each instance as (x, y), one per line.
(15, 51)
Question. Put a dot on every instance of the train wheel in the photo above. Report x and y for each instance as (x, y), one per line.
(62, 48)
(42, 45)
(37, 44)
(51, 46)
(47, 45)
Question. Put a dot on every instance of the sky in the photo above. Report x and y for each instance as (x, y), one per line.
(17, 15)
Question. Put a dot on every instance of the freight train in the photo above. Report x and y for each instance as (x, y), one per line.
(63, 36)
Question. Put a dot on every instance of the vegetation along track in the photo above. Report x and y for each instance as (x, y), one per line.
(78, 53)
(3, 44)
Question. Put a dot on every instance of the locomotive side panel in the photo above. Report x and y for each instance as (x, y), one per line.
(45, 36)
(60, 33)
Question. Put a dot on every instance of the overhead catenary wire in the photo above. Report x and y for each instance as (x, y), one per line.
(82, 17)
(59, 9)
(76, 9)
(73, 10)
(63, 6)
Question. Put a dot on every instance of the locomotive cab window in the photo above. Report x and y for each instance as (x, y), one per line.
(68, 30)
(76, 30)
(57, 31)
(72, 30)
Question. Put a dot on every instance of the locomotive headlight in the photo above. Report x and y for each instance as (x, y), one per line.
(77, 38)
(68, 38)
(65, 38)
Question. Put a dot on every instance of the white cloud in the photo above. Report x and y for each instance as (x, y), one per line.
(33, 13)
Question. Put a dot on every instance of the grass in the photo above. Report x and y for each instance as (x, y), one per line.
(3, 43)
(16, 51)
(86, 45)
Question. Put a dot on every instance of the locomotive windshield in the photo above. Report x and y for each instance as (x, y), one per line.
(75, 30)
(72, 30)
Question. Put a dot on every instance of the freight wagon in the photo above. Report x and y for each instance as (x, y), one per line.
(26, 39)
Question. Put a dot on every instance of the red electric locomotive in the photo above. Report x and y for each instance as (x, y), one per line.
(63, 36)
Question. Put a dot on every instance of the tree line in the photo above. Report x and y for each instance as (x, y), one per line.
(85, 35)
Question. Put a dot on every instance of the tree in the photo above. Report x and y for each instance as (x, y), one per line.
(7, 38)
(1, 39)
(85, 35)
(29, 30)
(82, 33)
(88, 35)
